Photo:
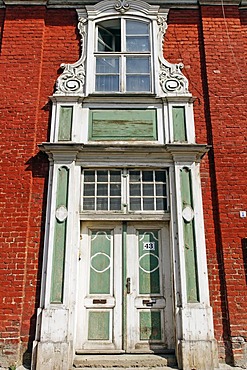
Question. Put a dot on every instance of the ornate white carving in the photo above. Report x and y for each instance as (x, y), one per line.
(72, 79)
(61, 213)
(122, 6)
(171, 78)
(188, 214)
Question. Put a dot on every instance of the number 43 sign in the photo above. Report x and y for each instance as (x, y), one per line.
(149, 246)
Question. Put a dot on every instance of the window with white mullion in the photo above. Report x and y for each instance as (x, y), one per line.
(139, 190)
(123, 56)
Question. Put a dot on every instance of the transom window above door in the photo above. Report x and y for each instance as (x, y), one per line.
(122, 190)
(123, 56)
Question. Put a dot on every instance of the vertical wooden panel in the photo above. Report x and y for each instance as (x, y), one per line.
(59, 238)
(65, 123)
(189, 238)
(101, 255)
(149, 274)
(179, 124)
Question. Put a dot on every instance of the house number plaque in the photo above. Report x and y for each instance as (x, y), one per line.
(149, 246)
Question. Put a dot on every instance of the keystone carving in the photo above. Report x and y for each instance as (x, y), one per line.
(171, 77)
(72, 79)
(122, 6)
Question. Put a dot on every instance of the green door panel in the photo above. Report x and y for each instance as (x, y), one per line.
(99, 325)
(150, 325)
(149, 260)
(100, 262)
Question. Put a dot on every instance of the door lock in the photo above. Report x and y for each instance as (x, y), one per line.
(128, 285)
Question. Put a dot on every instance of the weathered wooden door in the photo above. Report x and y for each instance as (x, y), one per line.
(124, 280)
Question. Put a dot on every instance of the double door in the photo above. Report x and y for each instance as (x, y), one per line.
(124, 288)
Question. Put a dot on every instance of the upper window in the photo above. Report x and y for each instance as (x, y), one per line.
(123, 56)
(124, 190)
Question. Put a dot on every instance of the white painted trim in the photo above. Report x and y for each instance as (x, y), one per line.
(200, 237)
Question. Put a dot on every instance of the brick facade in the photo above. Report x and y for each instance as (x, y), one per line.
(212, 45)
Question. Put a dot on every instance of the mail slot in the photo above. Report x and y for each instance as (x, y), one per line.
(99, 301)
(149, 302)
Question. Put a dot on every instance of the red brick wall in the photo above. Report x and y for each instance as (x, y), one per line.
(35, 41)
(213, 51)
(225, 65)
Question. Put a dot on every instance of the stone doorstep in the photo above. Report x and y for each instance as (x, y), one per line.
(125, 361)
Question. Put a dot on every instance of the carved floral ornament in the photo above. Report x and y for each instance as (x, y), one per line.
(171, 79)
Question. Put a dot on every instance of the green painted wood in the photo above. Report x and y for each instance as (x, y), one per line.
(150, 325)
(189, 239)
(149, 274)
(65, 123)
(100, 270)
(123, 124)
(99, 325)
(59, 247)
(179, 124)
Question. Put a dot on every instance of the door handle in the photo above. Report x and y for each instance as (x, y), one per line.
(128, 285)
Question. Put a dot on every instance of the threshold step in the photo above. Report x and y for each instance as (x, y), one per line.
(144, 361)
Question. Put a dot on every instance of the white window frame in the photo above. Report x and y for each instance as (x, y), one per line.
(106, 11)
(125, 191)
(122, 55)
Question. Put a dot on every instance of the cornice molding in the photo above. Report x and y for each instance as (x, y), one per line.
(82, 3)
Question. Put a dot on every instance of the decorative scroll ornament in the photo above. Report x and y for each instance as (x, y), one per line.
(122, 6)
(171, 78)
(72, 79)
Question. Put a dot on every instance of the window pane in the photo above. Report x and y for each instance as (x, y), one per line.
(138, 83)
(135, 204)
(147, 176)
(148, 204)
(102, 176)
(134, 176)
(160, 176)
(88, 190)
(161, 204)
(109, 35)
(138, 65)
(148, 190)
(107, 83)
(160, 190)
(137, 28)
(107, 65)
(115, 190)
(105, 40)
(102, 189)
(137, 43)
(89, 176)
(115, 204)
(137, 36)
(115, 176)
(88, 204)
(102, 204)
(135, 190)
